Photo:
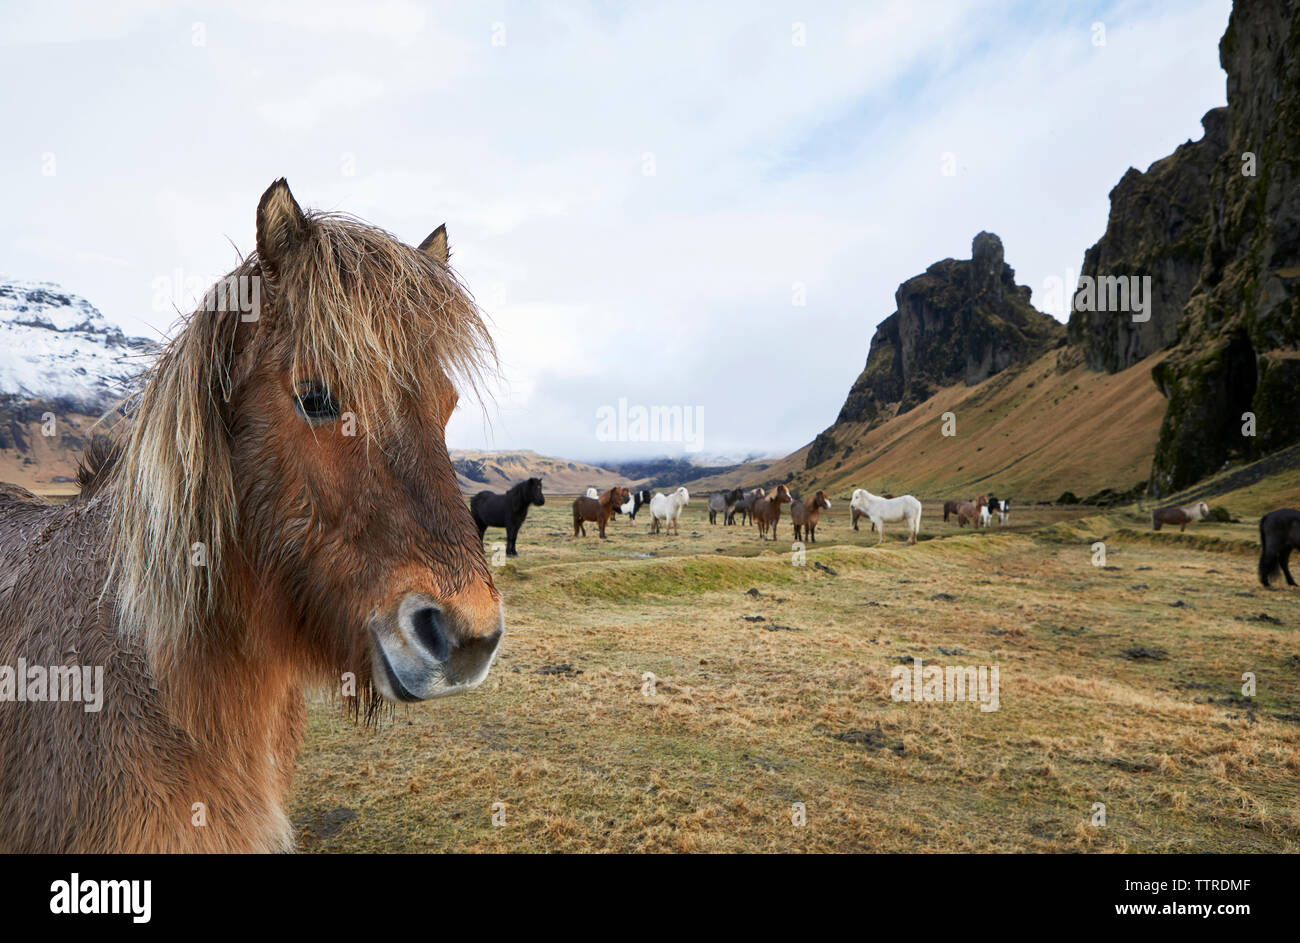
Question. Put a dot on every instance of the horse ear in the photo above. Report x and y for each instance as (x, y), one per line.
(281, 224)
(435, 244)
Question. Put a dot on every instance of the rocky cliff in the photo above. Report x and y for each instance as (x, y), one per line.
(1238, 343)
(1158, 224)
(960, 321)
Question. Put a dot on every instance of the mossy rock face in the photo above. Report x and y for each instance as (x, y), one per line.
(1158, 225)
(1238, 348)
(959, 321)
(823, 448)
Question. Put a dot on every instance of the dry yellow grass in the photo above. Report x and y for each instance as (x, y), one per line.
(748, 718)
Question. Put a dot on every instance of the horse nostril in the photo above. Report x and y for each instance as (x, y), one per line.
(427, 627)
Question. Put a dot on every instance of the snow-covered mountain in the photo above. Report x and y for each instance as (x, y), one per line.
(55, 345)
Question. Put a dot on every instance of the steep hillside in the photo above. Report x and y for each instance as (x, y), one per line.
(1032, 432)
(960, 322)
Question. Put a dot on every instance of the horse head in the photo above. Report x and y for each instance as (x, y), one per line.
(301, 442)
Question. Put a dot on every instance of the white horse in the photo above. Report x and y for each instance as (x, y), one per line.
(667, 508)
(593, 493)
(889, 511)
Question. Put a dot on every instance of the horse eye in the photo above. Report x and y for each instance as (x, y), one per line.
(315, 402)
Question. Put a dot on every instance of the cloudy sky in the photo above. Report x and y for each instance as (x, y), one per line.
(700, 205)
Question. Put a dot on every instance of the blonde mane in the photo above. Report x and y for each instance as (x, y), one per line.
(377, 321)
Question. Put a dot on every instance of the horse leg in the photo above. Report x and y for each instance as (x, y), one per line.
(511, 533)
(1286, 571)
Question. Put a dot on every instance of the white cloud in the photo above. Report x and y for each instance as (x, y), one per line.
(774, 164)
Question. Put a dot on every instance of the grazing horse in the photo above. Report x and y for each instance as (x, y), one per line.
(856, 515)
(745, 505)
(280, 509)
(950, 507)
(766, 510)
(598, 510)
(884, 511)
(1182, 516)
(724, 502)
(665, 509)
(506, 510)
(804, 514)
(1279, 534)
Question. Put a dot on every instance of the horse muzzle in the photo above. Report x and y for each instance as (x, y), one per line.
(424, 651)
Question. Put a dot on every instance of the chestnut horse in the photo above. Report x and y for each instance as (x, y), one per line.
(766, 510)
(599, 510)
(278, 509)
(804, 514)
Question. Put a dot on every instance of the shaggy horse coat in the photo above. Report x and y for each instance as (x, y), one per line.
(1182, 516)
(280, 509)
(804, 515)
(888, 511)
(766, 510)
(856, 514)
(506, 510)
(665, 509)
(1279, 534)
(597, 510)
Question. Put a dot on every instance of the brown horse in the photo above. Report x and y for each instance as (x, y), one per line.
(970, 510)
(599, 510)
(804, 514)
(279, 509)
(766, 510)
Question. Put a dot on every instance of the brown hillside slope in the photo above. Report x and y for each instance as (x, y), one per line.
(496, 471)
(1032, 433)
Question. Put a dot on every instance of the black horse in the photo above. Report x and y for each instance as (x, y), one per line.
(1279, 534)
(506, 510)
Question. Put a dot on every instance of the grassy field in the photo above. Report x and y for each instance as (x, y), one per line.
(1119, 684)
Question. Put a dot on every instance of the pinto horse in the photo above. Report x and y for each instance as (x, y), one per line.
(804, 514)
(506, 510)
(597, 510)
(766, 510)
(1182, 516)
(280, 509)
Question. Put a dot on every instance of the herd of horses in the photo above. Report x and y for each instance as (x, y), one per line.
(233, 543)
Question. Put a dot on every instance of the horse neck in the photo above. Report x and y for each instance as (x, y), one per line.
(226, 679)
